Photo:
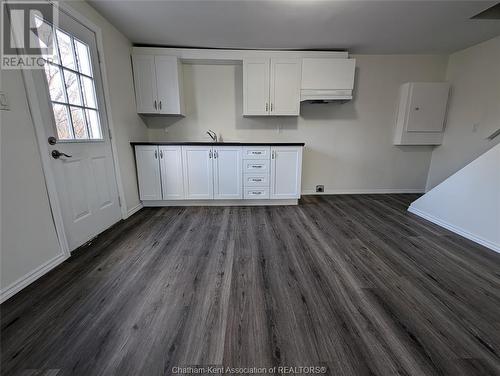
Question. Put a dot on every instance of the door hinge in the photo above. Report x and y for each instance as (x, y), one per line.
(119, 201)
(98, 56)
(109, 132)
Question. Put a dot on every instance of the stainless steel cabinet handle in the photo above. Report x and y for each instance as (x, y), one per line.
(216, 154)
(154, 104)
(267, 107)
(256, 179)
(156, 154)
(271, 107)
(161, 154)
(160, 105)
(256, 193)
(210, 154)
(272, 154)
(256, 166)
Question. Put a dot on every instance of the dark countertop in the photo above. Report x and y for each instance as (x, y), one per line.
(221, 143)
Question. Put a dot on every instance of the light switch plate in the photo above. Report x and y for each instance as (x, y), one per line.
(4, 104)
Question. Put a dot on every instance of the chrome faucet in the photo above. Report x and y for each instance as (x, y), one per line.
(212, 135)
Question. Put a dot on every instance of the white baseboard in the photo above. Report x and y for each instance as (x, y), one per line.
(134, 210)
(29, 278)
(457, 230)
(153, 203)
(363, 191)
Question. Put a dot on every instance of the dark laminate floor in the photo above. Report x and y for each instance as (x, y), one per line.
(354, 283)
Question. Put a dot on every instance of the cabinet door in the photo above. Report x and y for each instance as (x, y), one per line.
(145, 83)
(285, 86)
(172, 184)
(148, 172)
(286, 171)
(227, 172)
(256, 87)
(198, 172)
(427, 106)
(168, 84)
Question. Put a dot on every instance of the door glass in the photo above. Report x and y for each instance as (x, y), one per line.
(71, 86)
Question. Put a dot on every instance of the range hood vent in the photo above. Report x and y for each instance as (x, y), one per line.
(327, 80)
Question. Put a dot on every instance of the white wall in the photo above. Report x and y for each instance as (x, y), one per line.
(473, 110)
(128, 125)
(468, 202)
(348, 146)
(29, 243)
(28, 238)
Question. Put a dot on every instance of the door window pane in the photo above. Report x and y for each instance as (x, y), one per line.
(93, 121)
(63, 124)
(83, 56)
(54, 80)
(72, 87)
(72, 90)
(79, 124)
(88, 92)
(66, 49)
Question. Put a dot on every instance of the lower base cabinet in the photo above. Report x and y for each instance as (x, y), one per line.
(286, 171)
(198, 172)
(205, 172)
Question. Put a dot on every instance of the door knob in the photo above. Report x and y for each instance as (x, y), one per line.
(56, 154)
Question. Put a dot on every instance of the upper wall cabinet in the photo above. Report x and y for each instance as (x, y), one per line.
(271, 86)
(421, 113)
(327, 79)
(158, 84)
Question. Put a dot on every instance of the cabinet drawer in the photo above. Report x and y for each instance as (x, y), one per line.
(256, 193)
(256, 166)
(256, 180)
(256, 152)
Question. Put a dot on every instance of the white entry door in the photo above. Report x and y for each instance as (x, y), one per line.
(71, 99)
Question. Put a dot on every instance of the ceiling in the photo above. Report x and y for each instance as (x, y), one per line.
(372, 27)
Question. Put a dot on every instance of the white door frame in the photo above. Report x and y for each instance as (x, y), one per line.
(36, 114)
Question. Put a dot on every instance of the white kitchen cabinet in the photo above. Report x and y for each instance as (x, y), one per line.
(256, 73)
(286, 171)
(198, 172)
(148, 172)
(158, 84)
(145, 83)
(201, 173)
(172, 183)
(271, 87)
(285, 86)
(227, 172)
(421, 113)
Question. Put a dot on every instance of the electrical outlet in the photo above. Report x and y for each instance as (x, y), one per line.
(320, 188)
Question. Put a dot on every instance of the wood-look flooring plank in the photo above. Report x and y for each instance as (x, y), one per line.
(354, 283)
